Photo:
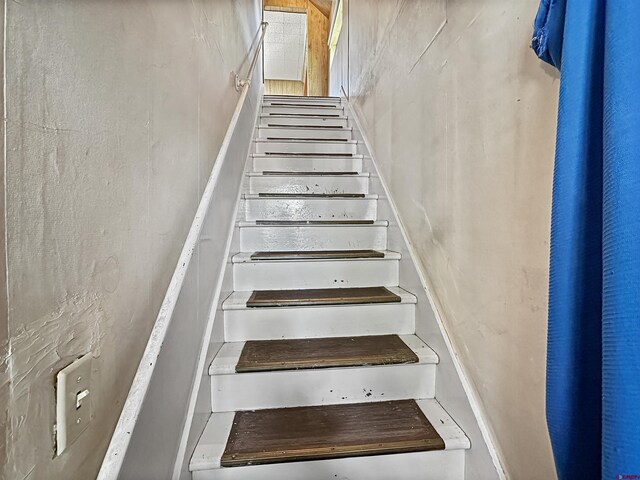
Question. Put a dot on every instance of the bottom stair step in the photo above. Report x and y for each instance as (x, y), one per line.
(403, 439)
(271, 355)
(329, 431)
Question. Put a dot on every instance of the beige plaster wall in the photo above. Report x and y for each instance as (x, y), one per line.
(115, 114)
(461, 117)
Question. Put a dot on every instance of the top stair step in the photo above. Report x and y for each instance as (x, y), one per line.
(310, 433)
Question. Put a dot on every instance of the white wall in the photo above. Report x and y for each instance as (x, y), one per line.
(115, 114)
(461, 117)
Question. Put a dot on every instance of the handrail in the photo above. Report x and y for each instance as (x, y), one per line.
(247, 81)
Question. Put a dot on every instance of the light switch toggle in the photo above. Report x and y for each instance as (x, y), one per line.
(80, 396)
(74, 411)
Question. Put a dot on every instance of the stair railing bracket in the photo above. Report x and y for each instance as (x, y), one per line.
(240, 84)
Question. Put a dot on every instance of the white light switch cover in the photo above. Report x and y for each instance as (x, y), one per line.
(73, 402)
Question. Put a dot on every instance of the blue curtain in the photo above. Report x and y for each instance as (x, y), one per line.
(593, 363)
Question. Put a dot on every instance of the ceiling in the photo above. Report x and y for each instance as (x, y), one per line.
(324, 6)
(285, 45)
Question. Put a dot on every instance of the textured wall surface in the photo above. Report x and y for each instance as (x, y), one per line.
(461, 116)
(4, 325)
(115, 114)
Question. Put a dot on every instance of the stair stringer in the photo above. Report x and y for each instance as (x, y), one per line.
(162, 418)
(453, 389)
(200, 411)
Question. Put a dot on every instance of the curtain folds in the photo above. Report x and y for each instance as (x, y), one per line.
(593, 364)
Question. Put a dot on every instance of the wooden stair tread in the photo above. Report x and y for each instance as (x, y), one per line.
(321, 296)
(313, 222)
(305, 155)
(270, 355)
(301, 127)
(322, 116)
(312, 195)
(317, 255)
(307, 139)
(304, 174)
(328, 431)
(312, 105)
(283, 114)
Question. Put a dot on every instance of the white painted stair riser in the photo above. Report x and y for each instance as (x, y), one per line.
(336, 110)
(325, 184)
(275, 163)
(313, 237)
(307, 132)
(286, 275)
(248, 391)
(301, 120)
(264, 208)
(242, 323)
(231, 391)
(438, 465)
(306, 147)
(317, 322)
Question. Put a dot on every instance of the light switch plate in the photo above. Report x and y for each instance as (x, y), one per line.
(73, 402)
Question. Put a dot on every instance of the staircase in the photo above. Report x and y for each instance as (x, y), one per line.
(321, 375)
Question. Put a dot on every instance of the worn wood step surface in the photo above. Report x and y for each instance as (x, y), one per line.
(329, 431)
(317, 255)
(312, 195)
(308, 154)
(321, 296)
(285, 114)
(296, 223)
(270, 355)
(308, 139)
(301, 127)
(305, 174)
(277, 104)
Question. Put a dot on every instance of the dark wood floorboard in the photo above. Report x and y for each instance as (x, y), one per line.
(330, 431)
(321, 296)
(317, 255)
(270, 355)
